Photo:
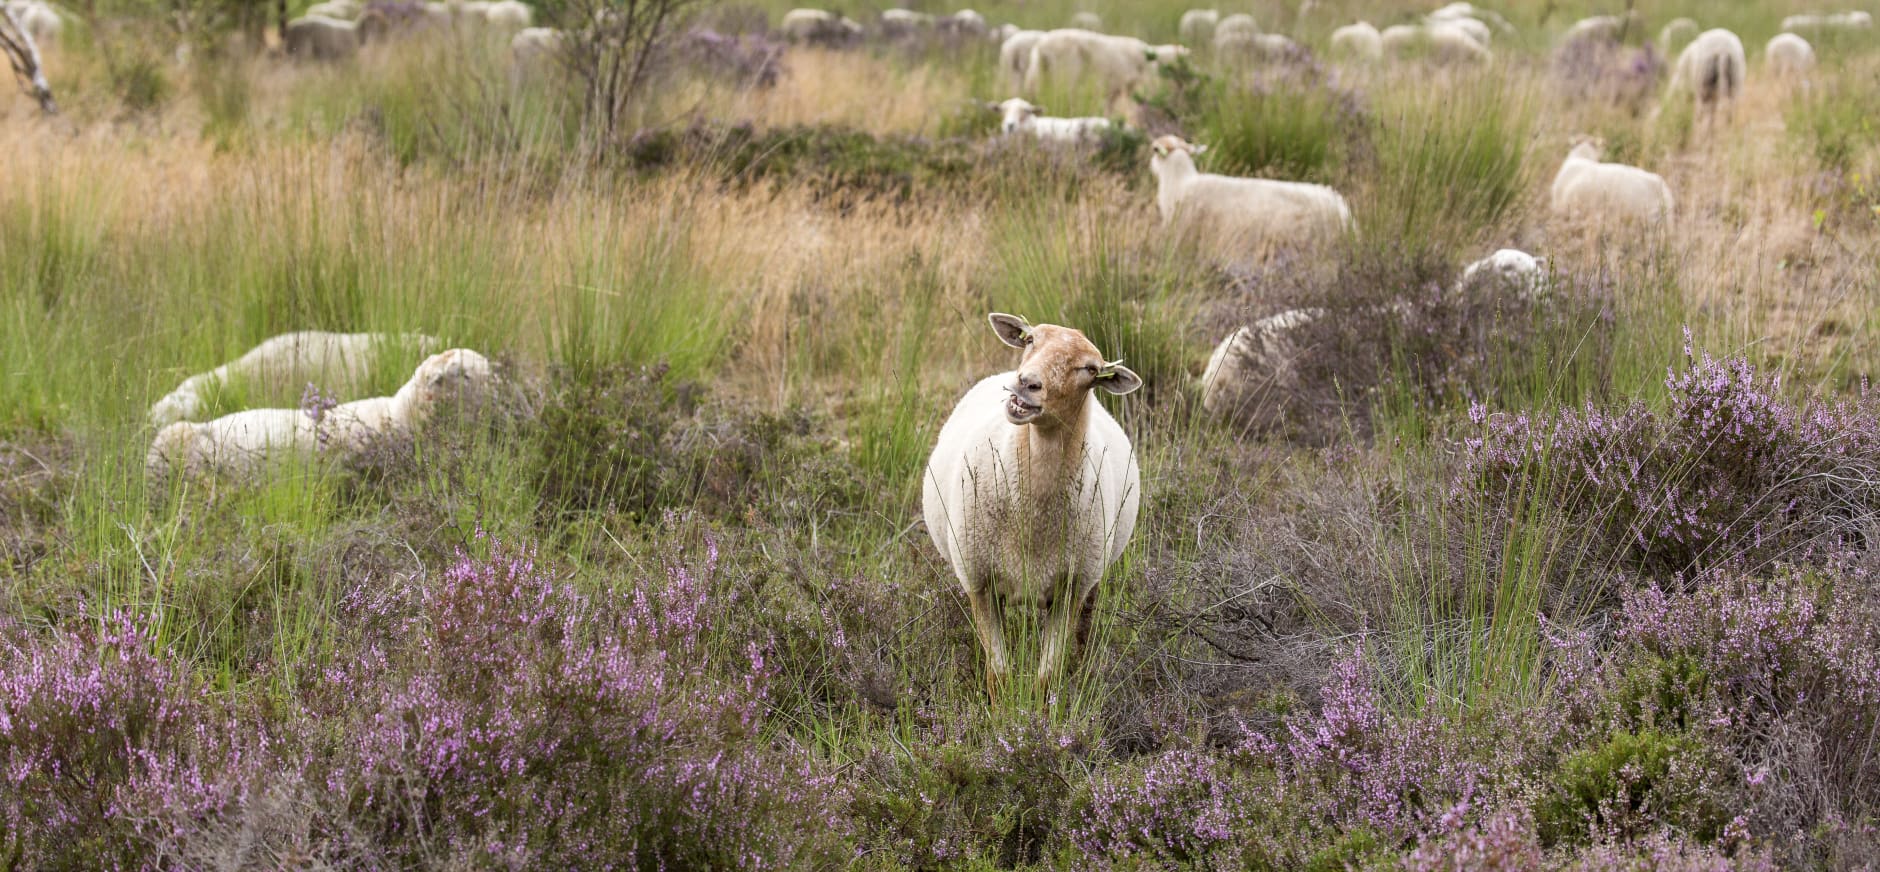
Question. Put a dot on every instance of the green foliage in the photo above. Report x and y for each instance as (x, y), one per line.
(1444, 170)
(1632, 783)
(1291, 129)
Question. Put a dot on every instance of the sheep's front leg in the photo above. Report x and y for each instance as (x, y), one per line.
(1057, 631)
(989, 620)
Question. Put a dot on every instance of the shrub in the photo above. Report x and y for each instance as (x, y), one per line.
(1630, 785)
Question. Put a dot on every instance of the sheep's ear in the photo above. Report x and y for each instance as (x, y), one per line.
(1117, 378)
(1012, 329)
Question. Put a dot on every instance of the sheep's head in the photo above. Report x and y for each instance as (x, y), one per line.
(1173, 150)
(180, 405)
(1016, 112)
(169, 452)
(1166, 54)
(1586, 147)
(449, 373)
(1056, 373)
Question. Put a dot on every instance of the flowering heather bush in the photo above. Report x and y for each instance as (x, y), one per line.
(109, 750)
(496, 716)
(1731, 471)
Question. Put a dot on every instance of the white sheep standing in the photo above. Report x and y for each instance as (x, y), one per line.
(1253, 46)
(1712, 67)
(906, 23)
(339, 361)
(1789, 55)
(532, 47)
(1015, 56)
(1018, 115)
(1677, 33)
(818, 27)
(322, 38)
(1251, 370)
(1197, 27)
(243, 443)
(1601, 28)
(964, 23)
(1239, 212)
(1461, 11)
(345, 10)
(1509, 269)
(1441, 42)
(508, 15)
(1609, 191)
(1235, 29)
(1032, 490)
(1114, 64)
(1855, 20)
(1360, 41)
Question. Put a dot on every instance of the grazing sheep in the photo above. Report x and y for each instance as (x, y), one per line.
(1440, 42)
(1789, 55)
(339, 361)
(1712, 67)
(1004, 32)
(1015, 56)
(1856, 20)
(1232, 47)
(1086, 21)
(1360, 41)
(323, 39)
(964, 24)
(1508, 269)
(1602, 28)
(1032, 489)
(532, 47)
(1021, 116)
(1197, 27)
(1252, 370)
(818, 27)
(1609, 191)
(1237, 213)
(905, 24)
(243, 443)
(1465, 11)
(1676, 33)
(1236, 28)
(345, 10)
(508, 15)
(1470, 27)
(1114, 64)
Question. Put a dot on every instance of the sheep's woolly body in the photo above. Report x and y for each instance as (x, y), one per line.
(1361, 41)
(818, 27)
(533, 46)
(1789, 55)
(338, 362)
(1250, 372)
(1855, 20)
(1676, 34)
(1015, 56)
(321, 38)
(1114, 64)
(1197, 26)
(39, 20)
(1020, 116)
(1609, 191)
(1712, 68)
(1239, 212)
(1509, 269)
(1443, 42)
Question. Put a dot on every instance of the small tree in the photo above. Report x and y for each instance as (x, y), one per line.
(610, 51)
(23, 54)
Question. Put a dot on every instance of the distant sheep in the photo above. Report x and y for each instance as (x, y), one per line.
(1236, 213)
(1507, 269)
(1197, 27)
(1602, 28)
(340, 361)
(818, 27)
(1254, 368)
(1441, 42)
(533, 47)
(1469, 12)
(905, 23)
(321, 38)
(1115, 64)
(1676, 33)
(965, 24)
(1855, 20)
(508, 15)
(1020, 116)
(1087, 21)
(1712, 68)
(1608, 191)
(1236, 28)
(345, 10)
(1032, 490)
(1360, 41)
(243, 444)
(1789, 55)
(1232, 47)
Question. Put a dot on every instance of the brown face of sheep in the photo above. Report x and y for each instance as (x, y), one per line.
(1056, 373)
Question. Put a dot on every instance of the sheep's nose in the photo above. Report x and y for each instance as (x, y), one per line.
(1030, 383)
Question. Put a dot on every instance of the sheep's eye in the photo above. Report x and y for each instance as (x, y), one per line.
(1093, 369)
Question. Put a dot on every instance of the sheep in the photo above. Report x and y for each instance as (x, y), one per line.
(1235, 28)
(1086, 21)
(1021, 116)
(1609, 191)
(344, 10)
(1257, 46)
(532, 47)
(818, 27)
(1676, 34)
(341, 361)
(1856, 20)
(1510, 269)
(322, 38)
(1197, 27)
(1459, 11)
(1003, 32)
(1237, 212)
(38, 20)
(243, 443)
(1470, 27)
(1440, 42)
(1251, 370)
(1789, 55)
(1015, 56)
(1360, 41)
(508, 15)
(964, 23)
(1712, 67)
(1113, 63)
(904, 24)
(1601, 28)
(1032, 489)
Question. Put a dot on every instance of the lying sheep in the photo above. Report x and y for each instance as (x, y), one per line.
(1236, 213)
(1018, 115)
(1032, 490)
(1789, 55)
(342, 361)
(818, 27)
(321, 38)
(1609, 191)
(244, 443)
(1676, 33)
(1115, 64)
(1254, 368)
(1712, 67)
(1015, 56)
(1197, 27)
(1359, 41)
(1508, 269)
(1855, 20)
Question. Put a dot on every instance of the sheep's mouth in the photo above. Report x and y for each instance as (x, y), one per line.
(1018, 411)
